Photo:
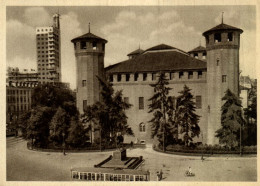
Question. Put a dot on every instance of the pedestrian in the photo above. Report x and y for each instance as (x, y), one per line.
(190, 173)
(158, 176)
(161, 173)
(131, 144)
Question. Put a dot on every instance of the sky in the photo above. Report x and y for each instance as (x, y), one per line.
(125, 28)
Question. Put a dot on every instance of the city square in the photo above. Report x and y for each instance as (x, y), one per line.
(27, 165)
(131, 94)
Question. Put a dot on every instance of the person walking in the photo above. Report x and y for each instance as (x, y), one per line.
(161, 173)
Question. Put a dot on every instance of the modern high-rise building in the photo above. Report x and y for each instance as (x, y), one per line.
(48, 52)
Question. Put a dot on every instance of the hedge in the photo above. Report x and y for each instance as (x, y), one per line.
(207, 149)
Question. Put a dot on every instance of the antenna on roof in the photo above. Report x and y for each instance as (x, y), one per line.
(88, 27)
(222, 17)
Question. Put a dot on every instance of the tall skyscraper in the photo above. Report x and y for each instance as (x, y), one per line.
(48, 52)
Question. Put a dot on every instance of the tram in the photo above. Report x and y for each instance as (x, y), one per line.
(108, 174)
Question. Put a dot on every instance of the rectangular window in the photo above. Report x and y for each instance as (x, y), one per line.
(83, 45)
(196, 55)
(217, 37)
(103, 47)
(171, 75)
(144, 76)
(119, 77)
(94, 44)
(153, 76)
(199, 74)
(111, 78)
(224, 78)
(136, 76)
(141, 103)
(85, 104)
(127, 77)
(190, 75)
(198, 102)
(126, 99)
(180, 75)
(230, 36)
(204, 55)
(84, 83)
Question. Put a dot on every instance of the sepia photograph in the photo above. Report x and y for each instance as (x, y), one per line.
(159, 93)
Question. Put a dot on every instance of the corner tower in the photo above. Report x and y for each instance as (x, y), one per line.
(89, 52)
(222, 46)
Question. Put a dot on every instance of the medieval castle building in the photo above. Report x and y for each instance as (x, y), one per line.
(208, 72)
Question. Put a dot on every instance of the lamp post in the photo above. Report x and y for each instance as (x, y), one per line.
(63, 143)
(241, 140)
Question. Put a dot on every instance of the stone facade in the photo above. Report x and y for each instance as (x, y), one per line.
(208, 72)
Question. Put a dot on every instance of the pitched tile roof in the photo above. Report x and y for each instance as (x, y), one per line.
(222, 27)
(89, 36)
(138, 51)
(198, 49)
(158, 61)
(160, 47)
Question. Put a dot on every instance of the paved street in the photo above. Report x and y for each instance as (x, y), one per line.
(26, 165)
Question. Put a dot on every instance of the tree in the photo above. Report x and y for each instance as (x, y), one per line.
(59, 126)
(51, 96)
(250, 133)
(231, 120)
(22, 122)
(186, 118)
(162, 109)
(109, 113)
(37, 127)
(76, 133)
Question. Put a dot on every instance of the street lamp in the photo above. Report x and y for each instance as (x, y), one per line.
(63, 143)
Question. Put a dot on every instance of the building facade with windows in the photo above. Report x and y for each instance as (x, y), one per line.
(19, 87)
(48, 52)
(208, 72)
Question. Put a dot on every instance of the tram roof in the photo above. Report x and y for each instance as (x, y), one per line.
(109, 170)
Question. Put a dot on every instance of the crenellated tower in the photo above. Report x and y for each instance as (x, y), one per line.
(222, 46)
(89, 52)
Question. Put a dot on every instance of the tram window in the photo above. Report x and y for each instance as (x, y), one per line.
(98, 176)
(136, 178)
(85, 176)
(75, 175)
(123, 177)
(107, 177)
(81, 176)
(131, 178)
(111, 177)
(119, 178)
(93, 176)
(89, 176)
(127, 178)
(102, 177)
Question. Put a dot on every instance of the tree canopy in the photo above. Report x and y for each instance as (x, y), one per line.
(162, 108)
(49, 120)
(231, 120)
(109, 113)
(186, 117)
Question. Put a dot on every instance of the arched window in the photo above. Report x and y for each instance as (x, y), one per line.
(217, 62)
(142, 127)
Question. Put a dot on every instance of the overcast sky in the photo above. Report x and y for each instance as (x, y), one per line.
(125, 28)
